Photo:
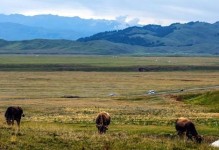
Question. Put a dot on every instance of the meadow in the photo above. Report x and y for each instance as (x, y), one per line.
(60, 106)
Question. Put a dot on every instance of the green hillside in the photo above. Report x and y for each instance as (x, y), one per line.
(208, 99)
(194, 38)
(190, 38)
(43, 46)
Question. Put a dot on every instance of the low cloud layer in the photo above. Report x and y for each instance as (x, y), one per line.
(132, 12)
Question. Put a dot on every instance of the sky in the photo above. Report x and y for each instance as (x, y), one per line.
(162, 12)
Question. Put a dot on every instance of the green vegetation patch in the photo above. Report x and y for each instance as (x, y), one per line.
(105, 63)
(209, 99)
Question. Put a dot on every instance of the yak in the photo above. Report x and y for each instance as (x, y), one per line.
(102, 122)
(184, 125)
(14, 113)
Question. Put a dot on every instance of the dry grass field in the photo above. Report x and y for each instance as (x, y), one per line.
(53, 120)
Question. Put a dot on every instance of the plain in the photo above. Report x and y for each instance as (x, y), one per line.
(61, 106)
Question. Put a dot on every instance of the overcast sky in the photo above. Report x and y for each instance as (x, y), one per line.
(163, 12)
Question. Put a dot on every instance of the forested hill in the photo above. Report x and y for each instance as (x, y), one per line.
(198, 37)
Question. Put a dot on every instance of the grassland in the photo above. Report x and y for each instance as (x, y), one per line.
(105, 63)
(139, 120)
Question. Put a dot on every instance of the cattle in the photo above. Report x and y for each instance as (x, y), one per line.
(14, 113)
(184, 125)
(102, 122)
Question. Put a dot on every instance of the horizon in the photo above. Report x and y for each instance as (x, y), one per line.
(104, 19)
(132, 12)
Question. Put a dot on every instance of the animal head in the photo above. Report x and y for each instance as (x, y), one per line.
(102, 128)
(198, 139)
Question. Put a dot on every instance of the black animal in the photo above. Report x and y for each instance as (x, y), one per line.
(184, 125)
(102, 122)
(14, 113)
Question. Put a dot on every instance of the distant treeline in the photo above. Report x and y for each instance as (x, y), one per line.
(71, 67)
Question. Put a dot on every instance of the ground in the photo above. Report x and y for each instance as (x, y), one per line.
(60, 108)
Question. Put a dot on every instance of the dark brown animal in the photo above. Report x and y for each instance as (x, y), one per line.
(14, 113)
(184, 125)
(102, 122)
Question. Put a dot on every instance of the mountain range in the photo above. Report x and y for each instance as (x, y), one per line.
(20, 27)
(58, 36)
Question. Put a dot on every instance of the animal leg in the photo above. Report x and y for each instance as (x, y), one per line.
(18, 124)
(189, 136)
(12, 122)
(180, 134)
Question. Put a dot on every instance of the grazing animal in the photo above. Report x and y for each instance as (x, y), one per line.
(102, 122)
(184, 125)
(14, 113)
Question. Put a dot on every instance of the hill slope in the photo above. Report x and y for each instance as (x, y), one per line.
(42, 46)
(209, 99)
(193, 37)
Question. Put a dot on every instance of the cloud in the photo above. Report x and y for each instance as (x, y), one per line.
(122, 22)
(134, 21)
(127, 11)
(125, 21)
(121, 19)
